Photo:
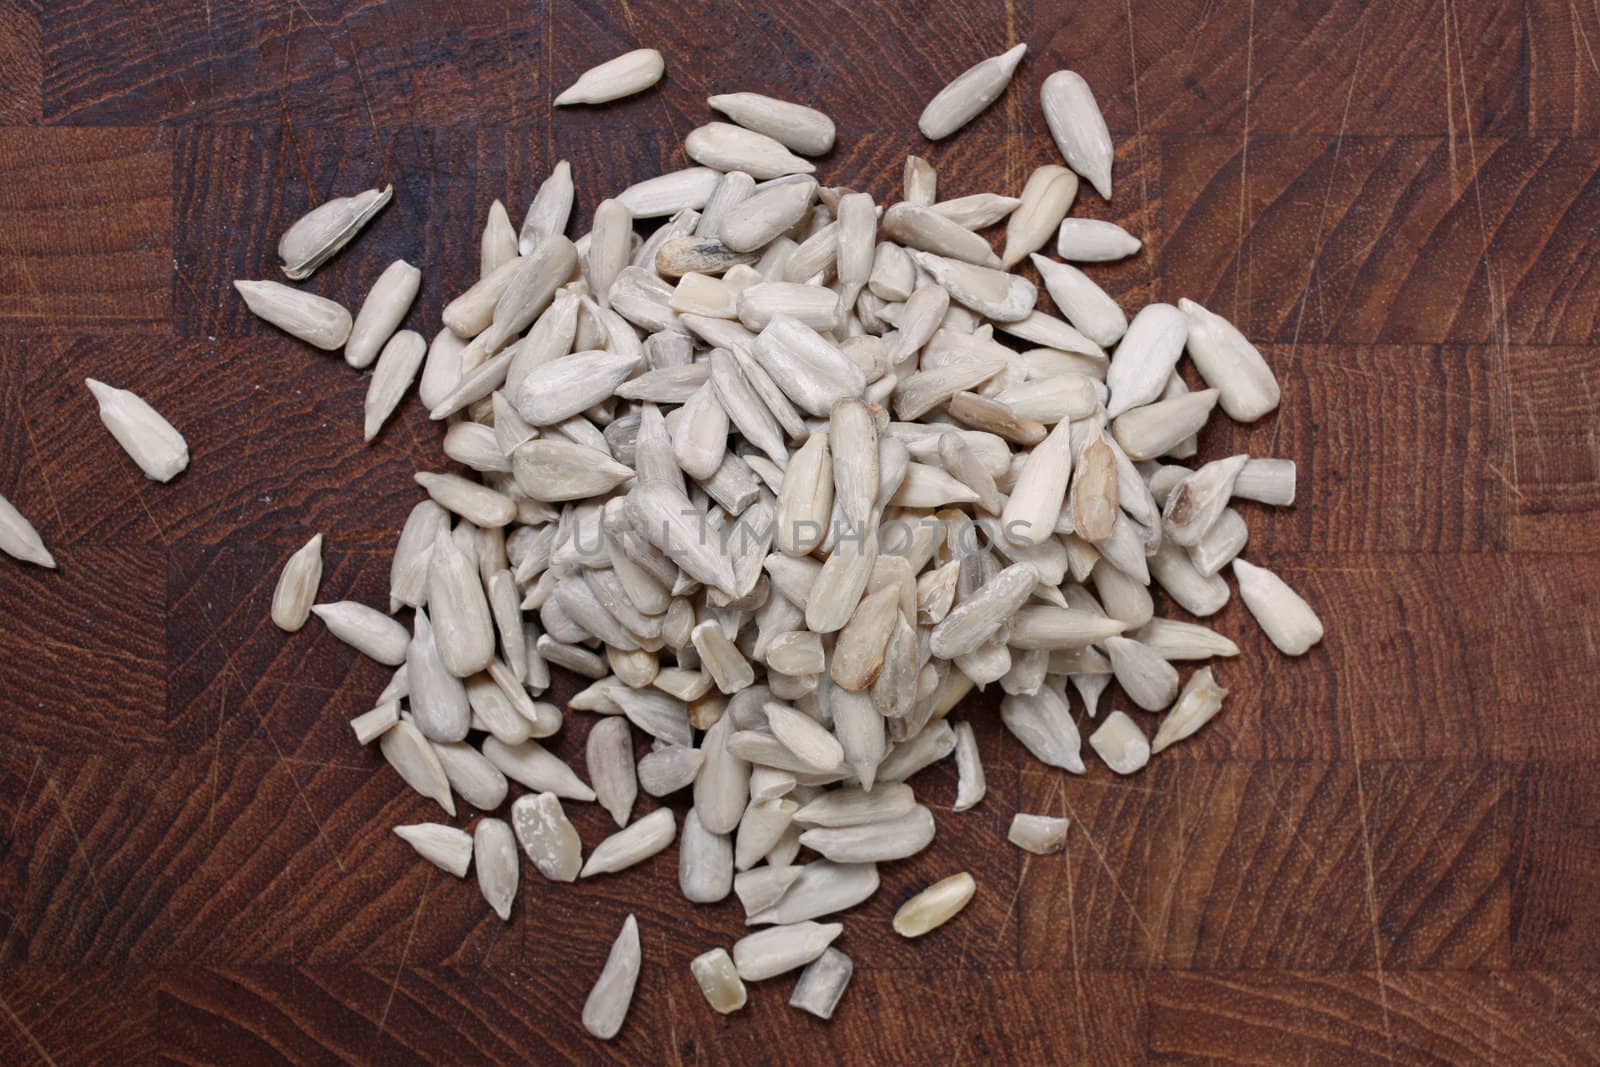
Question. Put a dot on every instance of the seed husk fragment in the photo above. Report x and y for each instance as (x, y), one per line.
(318, 236)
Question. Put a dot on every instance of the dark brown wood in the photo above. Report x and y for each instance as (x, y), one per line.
(1384, 851)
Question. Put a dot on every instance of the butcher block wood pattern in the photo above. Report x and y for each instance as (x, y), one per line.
(1386, 851)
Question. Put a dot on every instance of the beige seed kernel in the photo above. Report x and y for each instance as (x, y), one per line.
(935, 905)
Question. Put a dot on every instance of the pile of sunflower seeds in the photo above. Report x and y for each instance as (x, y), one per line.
(786, 478)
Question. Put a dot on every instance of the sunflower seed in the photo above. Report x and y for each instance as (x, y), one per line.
(670, 193)
(769, 953)
(920, 182)
(148, 439)
(1146, 356)
(977, 212)
(19, 540)
(926, 230)
(315, 320)
(1150, 681)
(705, 863)
(386, 304)
(1225, 540)
(608, 1002)
(822, 888)
(498, 243)
(726, 147)
(1151, 430)
(1085, 304)
(876, 842)
(445, 847)
(1197, 705)
(1269, 481)
(634, 844)
(1199, 500)
(936, 741)
(1196, 593)
(816, 307)
(1078, 127)
(371, 725)
(369, 632)
(837, 590)
(463, 627)
(961, 101)
(1097, 241)
(980, 615)
(718, 979)
(494, 852)
(297, 583)
(969, 768)
(1174, 640)
(991, 293)
(1046, 199)
(1037, 498)
(415, 761)
(632, 72)
(775, 209)
(572, 384)
(1120, 744)
(609, 757)
(1043, 723)
(397, 366)
(1283, 614)
(1042, 835)
(935, 905)
(547, 836)
(551, 206)
(530, 764)
(556, 470)
(318, 236)
(439, 702)
(801, 128)
(722, 788)
(925, 390)
(822, 984)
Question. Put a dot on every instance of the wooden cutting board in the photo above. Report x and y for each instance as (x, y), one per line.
(1384, 851)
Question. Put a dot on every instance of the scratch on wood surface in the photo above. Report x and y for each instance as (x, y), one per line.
(1138, 136)
(1320, 242)
(1372, 890)
(22, 1028)
(1110, 872)
(1240, 257)
(400, 970)
(83, 854)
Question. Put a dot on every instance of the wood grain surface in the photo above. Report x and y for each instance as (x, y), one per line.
(1387, 851)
